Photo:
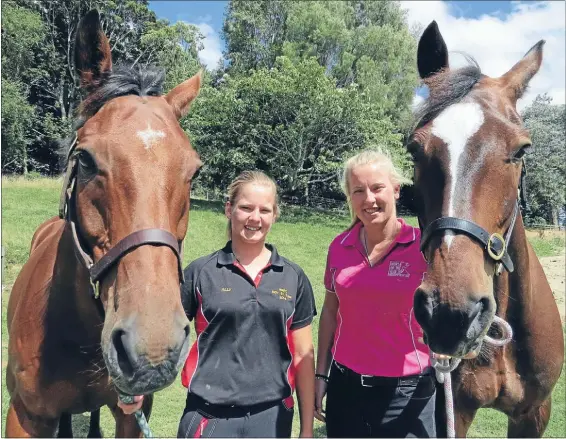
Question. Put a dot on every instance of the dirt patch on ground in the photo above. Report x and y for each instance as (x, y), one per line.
(555, 270)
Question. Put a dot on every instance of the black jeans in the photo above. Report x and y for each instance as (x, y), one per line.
(201, 419)
(380, 407)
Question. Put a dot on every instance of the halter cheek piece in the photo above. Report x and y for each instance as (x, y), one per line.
(134, 240)
(494, 244)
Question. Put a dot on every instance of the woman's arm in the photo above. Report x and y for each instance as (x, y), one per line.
(303, 361)
(326, 330)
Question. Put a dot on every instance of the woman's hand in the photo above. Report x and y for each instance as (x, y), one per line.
(319, 393)
(128, 409)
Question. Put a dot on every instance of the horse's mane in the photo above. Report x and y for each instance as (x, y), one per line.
(446, 88)
(121, 81)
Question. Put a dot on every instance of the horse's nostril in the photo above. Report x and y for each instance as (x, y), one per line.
(126, 355)
(476, 318)
(187, 331)
(423, 307)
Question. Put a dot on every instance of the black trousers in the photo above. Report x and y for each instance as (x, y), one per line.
(379, 406)
(201, 419)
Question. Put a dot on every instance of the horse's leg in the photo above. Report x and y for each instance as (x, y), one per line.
(65, 426)
(531, 424)
(94, 425)
(126, 425)
(462, 421)
(20, 424)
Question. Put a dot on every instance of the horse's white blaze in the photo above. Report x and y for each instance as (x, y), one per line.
(455, 125)
(149, 136)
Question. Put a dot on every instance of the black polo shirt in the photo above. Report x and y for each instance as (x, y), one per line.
(242, 355)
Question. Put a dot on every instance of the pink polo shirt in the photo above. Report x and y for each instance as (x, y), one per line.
(376, 332)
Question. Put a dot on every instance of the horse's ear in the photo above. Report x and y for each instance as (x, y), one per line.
(516, 80)
(93, 58)
(181, 97)
(432, 53)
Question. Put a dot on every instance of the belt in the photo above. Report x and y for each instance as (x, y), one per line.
(220, 410)
(376, 381)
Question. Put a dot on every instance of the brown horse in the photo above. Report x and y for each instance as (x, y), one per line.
(468, 144)
(97, 306)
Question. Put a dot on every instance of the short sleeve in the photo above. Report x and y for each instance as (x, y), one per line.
(305, 307)
(189, 298)
(329, 274)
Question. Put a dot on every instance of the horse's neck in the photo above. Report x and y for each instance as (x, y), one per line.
(70, 288)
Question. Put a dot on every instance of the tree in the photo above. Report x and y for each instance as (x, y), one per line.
(22, 34)
(174, 48)
(361, 42)
(289, 120)
(17, 118)
(546, 169)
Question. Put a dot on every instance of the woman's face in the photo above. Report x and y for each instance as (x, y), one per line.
(252, 214)
(372, 194)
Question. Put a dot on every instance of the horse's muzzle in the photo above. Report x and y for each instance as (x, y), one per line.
(133, 371)
(453, 328)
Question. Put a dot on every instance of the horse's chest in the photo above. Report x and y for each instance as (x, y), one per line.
(476, 388)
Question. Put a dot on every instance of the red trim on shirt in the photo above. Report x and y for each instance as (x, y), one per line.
(257, 279)
(201, 426)
(291, 372)
(191, 363)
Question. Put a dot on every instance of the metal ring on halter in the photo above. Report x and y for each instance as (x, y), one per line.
(505, 328)
(490, 252)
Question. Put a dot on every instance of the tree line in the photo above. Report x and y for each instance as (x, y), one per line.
(301, 86)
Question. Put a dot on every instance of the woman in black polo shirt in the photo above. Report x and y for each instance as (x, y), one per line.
(253, 311)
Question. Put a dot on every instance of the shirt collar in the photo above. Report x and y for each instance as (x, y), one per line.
(226, 255)
(406, 234)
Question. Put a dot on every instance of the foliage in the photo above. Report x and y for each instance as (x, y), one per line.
(546, 169)
(289, 120)
(358, 42)
(17, 118)
(174, 48)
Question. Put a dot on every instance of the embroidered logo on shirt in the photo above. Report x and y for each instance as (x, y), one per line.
(226, 290)
(282, 293)
(398, 269)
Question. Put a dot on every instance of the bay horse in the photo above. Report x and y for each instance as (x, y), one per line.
(97, 309)
(468, 145)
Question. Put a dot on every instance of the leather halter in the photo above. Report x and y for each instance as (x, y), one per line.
(134, 240)
(495, 245)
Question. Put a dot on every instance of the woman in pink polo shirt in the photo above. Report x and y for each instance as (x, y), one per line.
(371, 357)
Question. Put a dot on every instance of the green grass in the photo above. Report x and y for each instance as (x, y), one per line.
(301, 235)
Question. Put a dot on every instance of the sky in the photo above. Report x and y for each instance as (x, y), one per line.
(496, 33)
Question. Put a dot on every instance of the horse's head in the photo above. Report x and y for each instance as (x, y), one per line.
(467, 148)
(134, 166)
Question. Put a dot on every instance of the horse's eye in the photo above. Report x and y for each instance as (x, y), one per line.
(415, 149)
(86, 161)
(520, 153)
(195, 175)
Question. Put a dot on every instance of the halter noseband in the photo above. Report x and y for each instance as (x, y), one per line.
(134, 240)
(494, 244)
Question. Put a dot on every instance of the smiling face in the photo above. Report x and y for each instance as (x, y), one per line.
(252, 213)
(372, 194)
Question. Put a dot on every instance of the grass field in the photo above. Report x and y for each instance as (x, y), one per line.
(302, 236)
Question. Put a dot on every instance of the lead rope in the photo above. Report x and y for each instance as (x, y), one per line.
(140, 417)
(444, 366)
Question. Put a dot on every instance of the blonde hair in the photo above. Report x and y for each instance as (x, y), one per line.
(369, 157)
(250, 177)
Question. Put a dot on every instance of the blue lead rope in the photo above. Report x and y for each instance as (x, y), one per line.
(140, 417)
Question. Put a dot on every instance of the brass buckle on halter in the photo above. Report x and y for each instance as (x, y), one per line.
(490, 252)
